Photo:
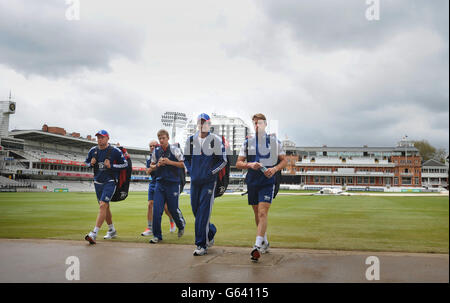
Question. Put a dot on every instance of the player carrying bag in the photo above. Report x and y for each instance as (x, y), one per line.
(123, 183)
(223, 176)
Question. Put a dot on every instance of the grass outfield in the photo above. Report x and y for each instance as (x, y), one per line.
(375, 223)
(353, 191)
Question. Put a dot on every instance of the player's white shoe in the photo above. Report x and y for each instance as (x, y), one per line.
(154, 240)
(91, 237)
(173, 227)
(200, 251)
(110, 234)
(147, 232)
(210, 243)
(265, 247)
(256, 253)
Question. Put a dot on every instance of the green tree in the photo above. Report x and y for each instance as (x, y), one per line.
(440, 155)
(426, 150)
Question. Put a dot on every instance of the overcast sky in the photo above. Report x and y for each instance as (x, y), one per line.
(320, 68)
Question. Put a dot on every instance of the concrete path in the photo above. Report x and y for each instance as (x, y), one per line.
(45, 261)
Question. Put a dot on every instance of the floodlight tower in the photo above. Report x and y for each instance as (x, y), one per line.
(174, 120)
(7, 108)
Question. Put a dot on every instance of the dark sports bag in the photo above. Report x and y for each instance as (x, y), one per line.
(182, 174)
(182, 179)
(223, 176)
(123, 183)
(277, 175)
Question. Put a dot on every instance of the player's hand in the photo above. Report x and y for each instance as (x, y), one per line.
(270, 172)
(162, 161)
(167, 161)
(107, 163)
(93, 161)
(148, 170)
(254, 165)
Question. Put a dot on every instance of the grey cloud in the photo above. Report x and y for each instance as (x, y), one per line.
(441, 121)
(131, 117)
(323, 24)
(36, 38)
(403, 90)
(339, 124)
(405, 69)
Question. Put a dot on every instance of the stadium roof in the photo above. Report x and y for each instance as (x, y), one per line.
(353, 149)
(433, 162)
(46, 137)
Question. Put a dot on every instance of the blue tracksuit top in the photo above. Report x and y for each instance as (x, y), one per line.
(168, 173)
(204, 162)
(265, 150)
(116, 159)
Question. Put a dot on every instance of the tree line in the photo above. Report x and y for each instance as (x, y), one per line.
(427, 151)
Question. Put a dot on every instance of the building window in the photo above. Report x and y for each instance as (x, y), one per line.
(338, 180)
(406, 181)
(349, 180)
(395, 180)
(416, 181)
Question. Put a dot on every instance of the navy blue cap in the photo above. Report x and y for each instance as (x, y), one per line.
(204, 117)
(102, 133)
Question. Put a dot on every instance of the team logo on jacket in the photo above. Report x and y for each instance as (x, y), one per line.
(175, 193)
(106, 199)
(210, 191)
(266, 197)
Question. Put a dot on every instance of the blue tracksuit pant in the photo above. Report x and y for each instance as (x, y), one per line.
(166, 192)
(202, 200)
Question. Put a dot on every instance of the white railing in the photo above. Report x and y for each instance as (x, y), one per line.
(434, 175)
(336, 173)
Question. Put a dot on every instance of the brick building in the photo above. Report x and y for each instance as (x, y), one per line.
(354, 166)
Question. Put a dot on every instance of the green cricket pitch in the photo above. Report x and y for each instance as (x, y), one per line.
(364, 223)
